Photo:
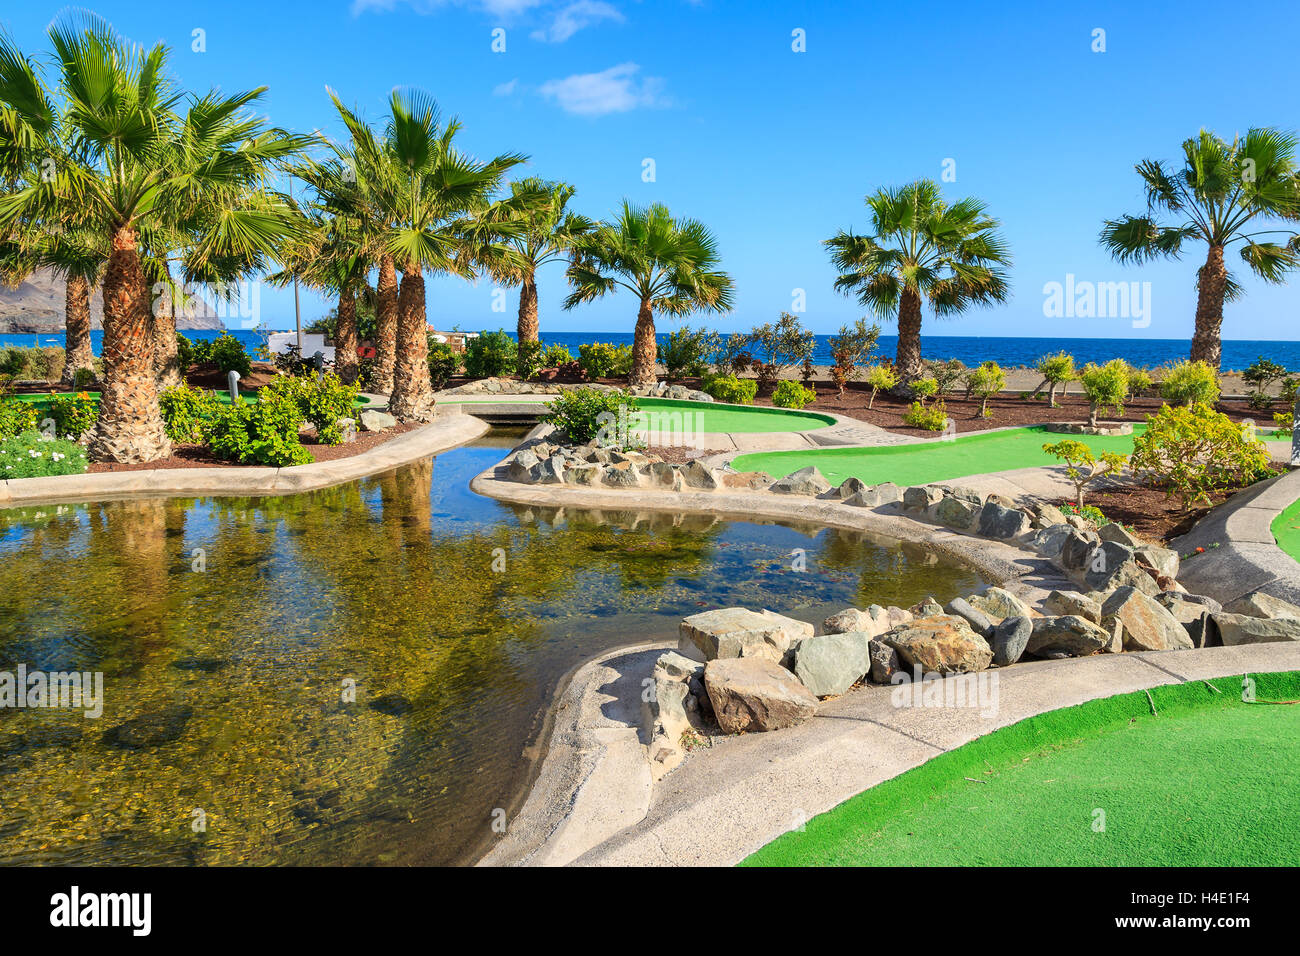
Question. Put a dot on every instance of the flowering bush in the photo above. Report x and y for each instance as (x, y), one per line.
(185, 412)
(73, 415)
(17, 417)
(32, 455)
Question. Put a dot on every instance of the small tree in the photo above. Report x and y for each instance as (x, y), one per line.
(780, 345)
(947, 374)
(851, 348)
(1057, 370)
(1260, 376)
(1106, 387)
(881, 378)
(1188, 383)
(985, 382)
(1082, 465)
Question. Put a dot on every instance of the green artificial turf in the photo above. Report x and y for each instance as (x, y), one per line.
(919, 464)
(1286, 530)
(1207, 780)
(671, 414)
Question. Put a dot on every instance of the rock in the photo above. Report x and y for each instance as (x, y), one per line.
(583, 474)
(1048, 541)
(1009, 640)
(150, 729)
(1112, 531)
(1168, 598)
(956, 513)
(1263, 605)
(927, 608)
(885, 662)
(1048, 515)
(851, 486)
(874, 620)
(394, 705)
(733, 632)
(621, 475)
(1079, 523)
(1003, 523)
(942, 644)
(661, 474)
(921, 498)
(897, 616)
(979, 623)
(673, 708)
(675, 666)
(1066, 634)
(695, 475)
(832, 663)
(1193, 615)
(885, 493)
(962, 493)
(1067, 603)
(1164, 560)
(521, 465)
(752, 694)
(998, 604)
(373, 421)
(1147, 625)
(1234, 629)
(1073, 556)
(1110, 566)
(806, 481)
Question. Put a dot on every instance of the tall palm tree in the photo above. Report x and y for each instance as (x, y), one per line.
(921, 249)
(670, 265)
(1224, 193)
(548, 232)
(133, 164)
(446, 222)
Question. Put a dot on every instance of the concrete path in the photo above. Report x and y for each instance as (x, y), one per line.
(595, 805)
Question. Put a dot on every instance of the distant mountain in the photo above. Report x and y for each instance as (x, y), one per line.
(37, 306)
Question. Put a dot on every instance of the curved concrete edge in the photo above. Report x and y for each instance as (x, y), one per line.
(594, 805)
(1241, 555)
(446, 431)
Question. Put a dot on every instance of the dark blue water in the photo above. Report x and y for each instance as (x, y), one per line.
(1008, 352)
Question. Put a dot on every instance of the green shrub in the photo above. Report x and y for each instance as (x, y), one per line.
(31, 455)
(186, 411)
(1260, 376)
(1190, 382)
(946, 375)
(584, 414)
(729, 388)
(320, 402)
(17, 417)
(1285, 422)
(184, 352)
(780, 345)
(73, 415)
(602, 360)
(923, 388)
(83, 378)
(443, 363)
(985, 382)
(528, 359)
(930, 417)
(226, 352)
(881, 378)
(553, 356)
(733, 354)
(35, 364)
(490, 354)
(1078, 457)
(1193, 451)
(851, 348)
(687, 351)
(1289, 388)
(792, 395)
(1087, 512)
(1106, 387)
(1139, 379)
(263, 433)
(1057, 370)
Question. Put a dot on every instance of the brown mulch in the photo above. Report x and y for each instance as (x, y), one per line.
(198, 456)
(681, 455)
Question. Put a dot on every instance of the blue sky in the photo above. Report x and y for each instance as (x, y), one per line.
(773, 148)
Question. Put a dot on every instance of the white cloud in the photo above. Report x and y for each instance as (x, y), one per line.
(505, 89)
(573, 17)
(615, 90)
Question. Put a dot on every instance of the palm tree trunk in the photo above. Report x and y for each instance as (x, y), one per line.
(166, 363)
(385, 326)
(645, 349)
(130, 428)
(1211, 286)
(908, 359)
(77, 353)
(528, 327)
(345, 338)
(412, 398)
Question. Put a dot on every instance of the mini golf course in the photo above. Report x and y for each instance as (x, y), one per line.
(1286, 530)
(1190, 775)
(919, 463)
(667, 414)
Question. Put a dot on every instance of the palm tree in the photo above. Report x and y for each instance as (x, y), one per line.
(669, 265)
(1224, 193)
(922, 248)
(446, 222)
(548, 234)
(134, 163)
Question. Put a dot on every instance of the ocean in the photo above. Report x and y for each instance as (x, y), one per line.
(971, 350)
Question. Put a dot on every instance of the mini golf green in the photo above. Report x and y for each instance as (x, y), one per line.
(1207, 780)
(667, 414)
(1286, 530)
(936, 460)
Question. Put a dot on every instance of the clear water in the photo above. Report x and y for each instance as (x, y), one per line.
(225, 687)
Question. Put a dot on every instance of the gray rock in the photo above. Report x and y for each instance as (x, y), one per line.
(1048, 515)
(1009, 640)
(921, 498)
(1162, 559)
(695, 475)
(582, 474)
(1066, 634)
(832, 663)
(1111, 565)
(978, 621)
(621, 475)
(521, 464)
(885, 493)
(806, 481)
(1170, 598)
(1235, 629)
(851, 486)
(940, 644)
(549, 471)
(885, 662)
(734, 632)
(1066, 603)
(1003, 523)
(1263, 605)
(677, 667)
(998, 603)
(1193, 615)
(1148, 626)
(874, 621)
(752, 694)
(1049, 541)
(1112, 531)
(956, 513)
(962, 493)
(927, 608)
(373, 421)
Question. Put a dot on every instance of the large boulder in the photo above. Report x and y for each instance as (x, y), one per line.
(521, 465)
(695, 475)
(1110, 565)
(998, 521)
(885, 662)
(1066, 635)
(851, 486)
(832, 663)
(874, 621)
(998, 603)
(885, 493)
(1234, 629)
(1192, 613)
(375, 421)
(921, 498)
(956, 513)
(752, 694)
(1264, 605)
(1009, 640)
(582, 474)
(1074, 551)
(942, 644)
(672, 709)
(622, 474)
(1113, 531)
(1148, 626)
(1066, 603)
(1049, 541)
(1165, 561)
(737, 632)
(978, 620)
(806, 481)
(1047, 515)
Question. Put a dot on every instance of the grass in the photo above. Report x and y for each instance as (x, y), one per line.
(1207, 780)
(666, 414)
(1286, 530)
(919, 464)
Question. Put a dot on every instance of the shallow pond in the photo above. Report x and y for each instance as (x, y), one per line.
(234, 633)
